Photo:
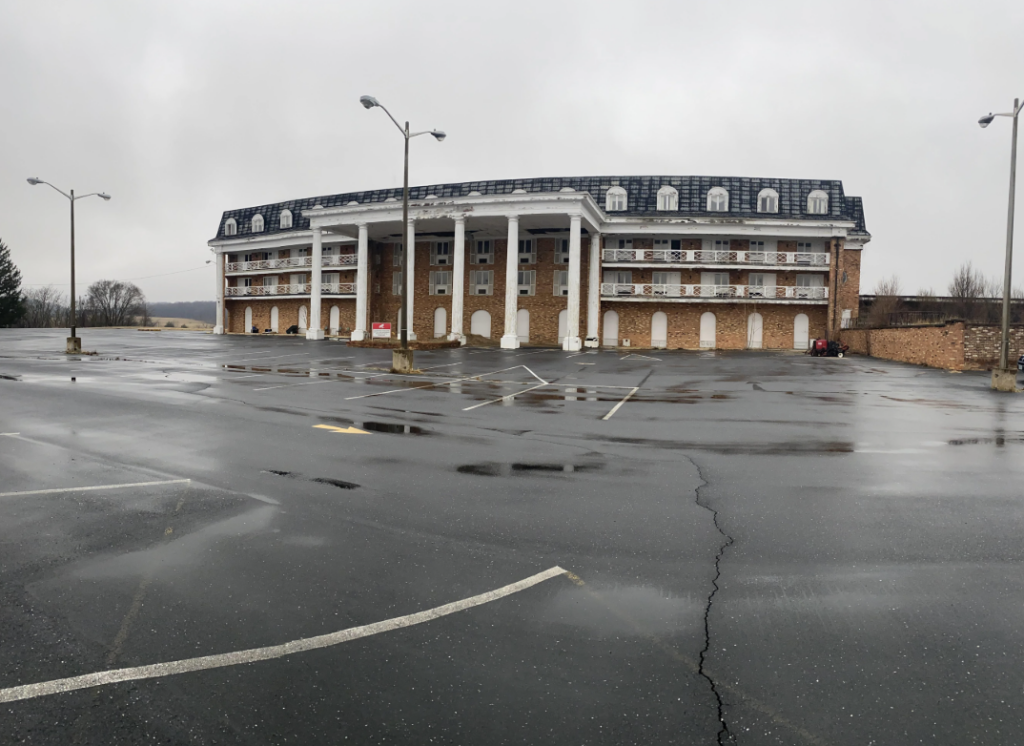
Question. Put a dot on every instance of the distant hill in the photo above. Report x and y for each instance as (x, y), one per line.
(200, 310)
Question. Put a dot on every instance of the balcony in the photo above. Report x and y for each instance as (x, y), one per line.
(337, 288)
(340, 260)
(713, 293)
(784, 259)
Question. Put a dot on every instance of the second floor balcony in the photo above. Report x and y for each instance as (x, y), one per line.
(329, 260)
(335, 288)
(693, 257)
(750, 293)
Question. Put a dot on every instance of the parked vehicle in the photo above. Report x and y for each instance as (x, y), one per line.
(1020, 363)
(824, 348)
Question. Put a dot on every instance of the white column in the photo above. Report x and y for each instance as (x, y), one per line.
(410, 275)
(362, 283)
(510, 340)
(313, 331)
(571, 343)
(220, 258)
(594, 291)
(458, 280)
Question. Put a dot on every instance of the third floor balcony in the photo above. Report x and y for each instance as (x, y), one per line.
(708, 257)
(329, 260)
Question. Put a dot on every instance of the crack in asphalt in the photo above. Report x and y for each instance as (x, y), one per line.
(725, 736)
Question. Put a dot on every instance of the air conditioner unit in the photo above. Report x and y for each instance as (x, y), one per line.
(565, 291)
(441, 290)
(625, 343)
(481, 291)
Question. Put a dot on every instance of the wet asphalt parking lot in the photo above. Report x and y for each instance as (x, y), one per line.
(754, 548)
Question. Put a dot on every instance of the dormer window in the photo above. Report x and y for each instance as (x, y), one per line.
(230, 227)
(615, 199)
(718, 200)
(768, 201)
(668, 198)
(286, 219)
(257, 223)
(817, 203)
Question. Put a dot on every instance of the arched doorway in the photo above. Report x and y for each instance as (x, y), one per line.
(707, 329)
(801, 332)
(335, 319)
(755, 331)
(523, 326)
(563, 325)
(659, 330)
(440, 322)
(303, 318)
(480, 324)
(274, 316)
(611, 329)
(248, 319)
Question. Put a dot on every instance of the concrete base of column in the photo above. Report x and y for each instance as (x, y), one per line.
(314, 334)
(401, 361)
(358, 335)
(218, 330)
(460, 338)
(509, 342)
(1004, 379)
(592, 342)
(74, 345)
(572, 344)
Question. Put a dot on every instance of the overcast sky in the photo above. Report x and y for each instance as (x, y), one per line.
(182, 110)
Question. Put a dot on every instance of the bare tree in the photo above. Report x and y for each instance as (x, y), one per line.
(114, 303)
(887, 301)
(967, 286)
(47, 307)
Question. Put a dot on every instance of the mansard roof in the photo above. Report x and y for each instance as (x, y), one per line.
(642, 200)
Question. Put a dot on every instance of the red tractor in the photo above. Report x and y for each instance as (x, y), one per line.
(824, 348)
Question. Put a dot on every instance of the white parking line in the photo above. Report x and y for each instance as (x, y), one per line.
(89, 489)
(253, 655)
(624, 400)
(478, 377)
(505, 398)
(287, 385)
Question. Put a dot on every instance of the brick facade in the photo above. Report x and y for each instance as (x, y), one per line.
(953, 346)
(287, 313)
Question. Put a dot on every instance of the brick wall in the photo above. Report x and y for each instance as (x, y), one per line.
(940, 346)
(981, 346)
(287, 313)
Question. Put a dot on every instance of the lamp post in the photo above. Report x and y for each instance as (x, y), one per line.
(1005, 378)
(74, 343)
(402, 361)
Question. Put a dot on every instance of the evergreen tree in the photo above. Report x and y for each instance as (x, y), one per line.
(12, 302)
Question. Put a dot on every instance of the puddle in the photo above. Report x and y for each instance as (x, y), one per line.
(998, 441)
(339, 483)
(739, 449)
(494, 469)
(631, 610)
(393, 428)
(335, 483)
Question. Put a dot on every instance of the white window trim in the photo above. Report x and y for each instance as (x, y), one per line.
(441, 283)
(668, 198)
(230, 227)
(531, 286)
(475, 287)
(286, 219)
(559, 288)
(715, 192)
(436, 256)
(253, 224)
(616, 199)
(396, 283)
(769, 194)
(478, 258)
(813, 199)
(531, 255)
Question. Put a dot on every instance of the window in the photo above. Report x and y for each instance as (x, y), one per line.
(440, 283)
(526, 255)
(329, 278)
(481, 282)
(441, 253)
(768, 201)
(755, 252)
(664, 244)
(270, 281)
(761, 285)
(615, 199)
(666, 283)
(396, 283)
(817, 203)
(483, 252)
(561, 284)
(230, 227)
(562, 252)
(396, 255)
(810, 286)
(527, 282)
(257, 223)
(622, 282)
(716, 284)
(247, 282)
(718, 200)
(668, 198)
(286, 218)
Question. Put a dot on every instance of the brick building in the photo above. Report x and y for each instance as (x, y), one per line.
(641, 261)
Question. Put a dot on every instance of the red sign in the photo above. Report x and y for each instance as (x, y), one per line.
(380, 330)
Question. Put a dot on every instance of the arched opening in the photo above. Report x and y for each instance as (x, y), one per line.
(274, 315)
(801, 332)
(659, 330)
(335, 319)
(563, 325)
(755, 331)
(303, 318)
(707, 329)
(611, 329)
(480, 324)
(248, 319)
(440, 322)
(523, 326)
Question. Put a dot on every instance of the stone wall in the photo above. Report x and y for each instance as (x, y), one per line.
(953, 345)
(981, 346)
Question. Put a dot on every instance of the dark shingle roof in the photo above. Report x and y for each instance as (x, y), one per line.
(642, 198)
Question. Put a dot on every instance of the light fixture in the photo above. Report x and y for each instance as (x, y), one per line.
(986, 120)
(368, 101)
(439, 135)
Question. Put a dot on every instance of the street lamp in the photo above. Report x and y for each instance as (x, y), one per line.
(405, 357)
(74, 343)
(1005, 377)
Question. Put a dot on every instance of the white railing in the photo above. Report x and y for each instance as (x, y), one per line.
(336, 288)
(700, 256)
(750, 292)
(329, 260)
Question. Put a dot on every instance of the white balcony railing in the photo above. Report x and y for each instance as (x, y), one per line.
(329, 260)
(689, 256)
(337, 288)
(722, 292)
